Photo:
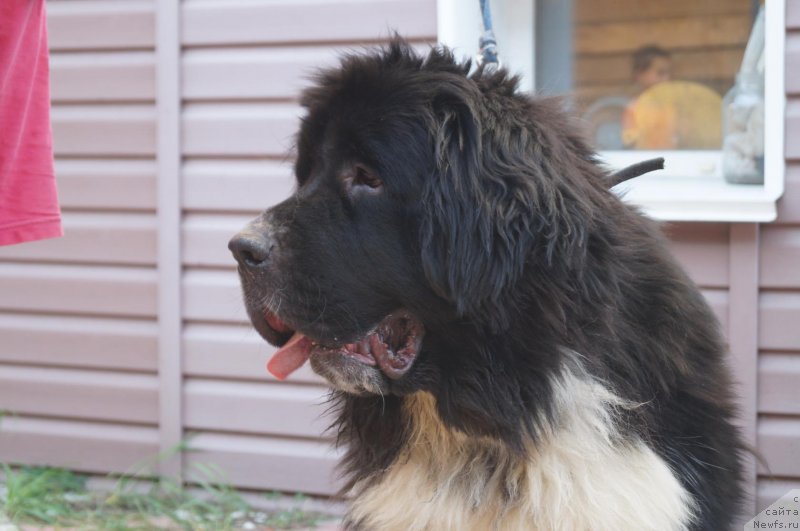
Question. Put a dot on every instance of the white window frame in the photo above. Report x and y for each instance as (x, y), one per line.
(691, 188)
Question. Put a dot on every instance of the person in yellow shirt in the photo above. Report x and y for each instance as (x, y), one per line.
(650, 65)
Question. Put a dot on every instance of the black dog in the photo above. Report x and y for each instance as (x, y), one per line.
(512, 347)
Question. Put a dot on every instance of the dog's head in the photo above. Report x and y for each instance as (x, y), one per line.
(423, 193)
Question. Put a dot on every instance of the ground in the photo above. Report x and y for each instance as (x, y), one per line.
(40, 498)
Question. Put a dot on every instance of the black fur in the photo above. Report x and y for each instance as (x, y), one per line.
(496, 227)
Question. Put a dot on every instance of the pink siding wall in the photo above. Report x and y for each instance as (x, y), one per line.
(79, 355)
(78, 326)
(242, 69)
(779, 305)
(79, 316)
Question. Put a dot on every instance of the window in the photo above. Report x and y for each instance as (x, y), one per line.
(647, 78)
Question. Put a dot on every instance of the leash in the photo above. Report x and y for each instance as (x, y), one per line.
(635, 170)
(487, 44)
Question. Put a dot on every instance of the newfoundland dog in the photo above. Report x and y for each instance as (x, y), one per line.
(511, 346)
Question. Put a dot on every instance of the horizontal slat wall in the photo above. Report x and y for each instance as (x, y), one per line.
(778, 374)
(101, 25)
(281, 409)
(71, 393)
(263, 462)
(706, 40)
(249, 22)
(77, 289)
(793, 128)
(81, 342)
(239, 129)
(702, 249)
(244, 63)
(97, 238)
(97, 447)
(262, 73)
(779, 319)
(104, 76)
(235, 185)
(78, 334)
(119, 185)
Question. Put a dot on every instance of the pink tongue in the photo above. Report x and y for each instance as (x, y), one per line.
(290, 357)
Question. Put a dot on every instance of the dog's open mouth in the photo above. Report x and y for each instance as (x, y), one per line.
(392, 346)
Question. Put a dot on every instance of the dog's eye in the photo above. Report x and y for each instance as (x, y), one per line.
(362, 176)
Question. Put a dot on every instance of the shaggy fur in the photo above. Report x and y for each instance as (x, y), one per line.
(581, 474)
(571, 375)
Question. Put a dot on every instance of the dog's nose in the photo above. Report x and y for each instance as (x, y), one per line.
(251, 250)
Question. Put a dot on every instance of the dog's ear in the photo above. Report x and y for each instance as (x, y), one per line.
(476, 227)
(506, 192)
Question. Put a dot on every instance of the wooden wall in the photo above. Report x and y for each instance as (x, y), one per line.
(706, 39)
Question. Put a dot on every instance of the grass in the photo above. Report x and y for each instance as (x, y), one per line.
(37, 496)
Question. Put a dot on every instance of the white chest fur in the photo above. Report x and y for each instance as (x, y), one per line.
(579, 476)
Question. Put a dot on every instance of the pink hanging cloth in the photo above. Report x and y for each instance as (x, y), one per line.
(28, 202)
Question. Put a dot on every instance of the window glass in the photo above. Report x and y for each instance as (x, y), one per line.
(644, 74)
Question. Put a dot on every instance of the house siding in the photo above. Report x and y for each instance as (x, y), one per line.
(79, 316)
(778, 396)
(243, 65)
(78, 329)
